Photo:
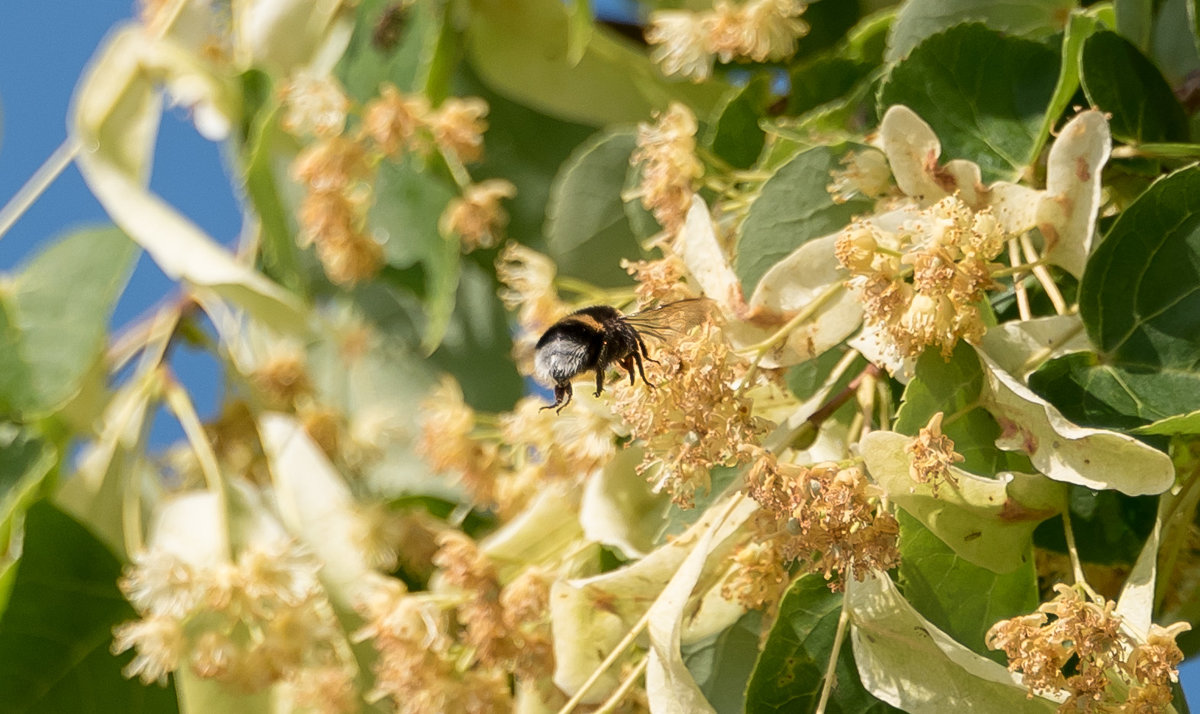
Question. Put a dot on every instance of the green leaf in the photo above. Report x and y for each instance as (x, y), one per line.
(985, 95)
(1091, 393)
(989, 522)
(1134, 20)
(1109, 527)
(962, 599)
(54, 319)
(586, 227)
(520, 48)
(477, 349)
(25, 462)
(722, 665)
(1079, 28)
(280, 255)
(1139, 298)
(824, 79)
(404, 46)
(57, 628)
(919, 19)
(789, 673)
(793, 208)
(951, 387)
(408, 203)
(1173, 44)
(734, 134)
(1119, 79)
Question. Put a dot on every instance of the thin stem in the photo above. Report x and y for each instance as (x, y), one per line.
(181, 405)
(1043, 275)
(1073, 552)
(797, 319)
(615, 698)
(831, 668)
(38, 183)
(1038, 357)
(966, 409)
(1014, 255)
(608, 661)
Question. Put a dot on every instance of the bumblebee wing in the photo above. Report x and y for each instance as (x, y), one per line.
(674, 317)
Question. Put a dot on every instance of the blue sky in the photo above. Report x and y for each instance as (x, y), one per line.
(44, 47)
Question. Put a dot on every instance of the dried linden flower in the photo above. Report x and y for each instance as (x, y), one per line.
(476, 217)
(458, 126)
(694, 419)
(397, 123)
(1111, 670)
(932, 454)
(829, 516)
(666, 156)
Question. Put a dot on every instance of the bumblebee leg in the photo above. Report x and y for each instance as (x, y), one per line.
(599, 381)
(562, 397)
(645, 353)
(638, 358)
(627, 363)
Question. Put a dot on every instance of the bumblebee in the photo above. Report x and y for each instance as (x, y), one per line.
(599, 336)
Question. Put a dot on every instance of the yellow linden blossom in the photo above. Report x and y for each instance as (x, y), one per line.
(666, 154)
(685, 43)
(397, 122)
(693, 419)
(313, 106)
(920, 286)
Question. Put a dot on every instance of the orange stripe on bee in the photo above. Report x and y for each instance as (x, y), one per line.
(586, 321)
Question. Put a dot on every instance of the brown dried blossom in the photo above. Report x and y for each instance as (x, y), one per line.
(1091, 636)
(659, 281)
(694, 419)
(931, 456)
(458, 126)
(417, 668)
(447, 446)
(477, 217)
(396, 122)
(282, 378)
(666, 155)
(828, 516)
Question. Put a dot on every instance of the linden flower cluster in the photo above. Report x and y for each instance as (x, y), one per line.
(945, 253)
(932, 454)
(1090, 633)
(399, 124)
(693, 419)
(534, 446)
(448, 446)
(666, 154)
(759, 30)
(826, 515)
(337, 175)
(250, 624)
(338, 171)
(434, 657)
